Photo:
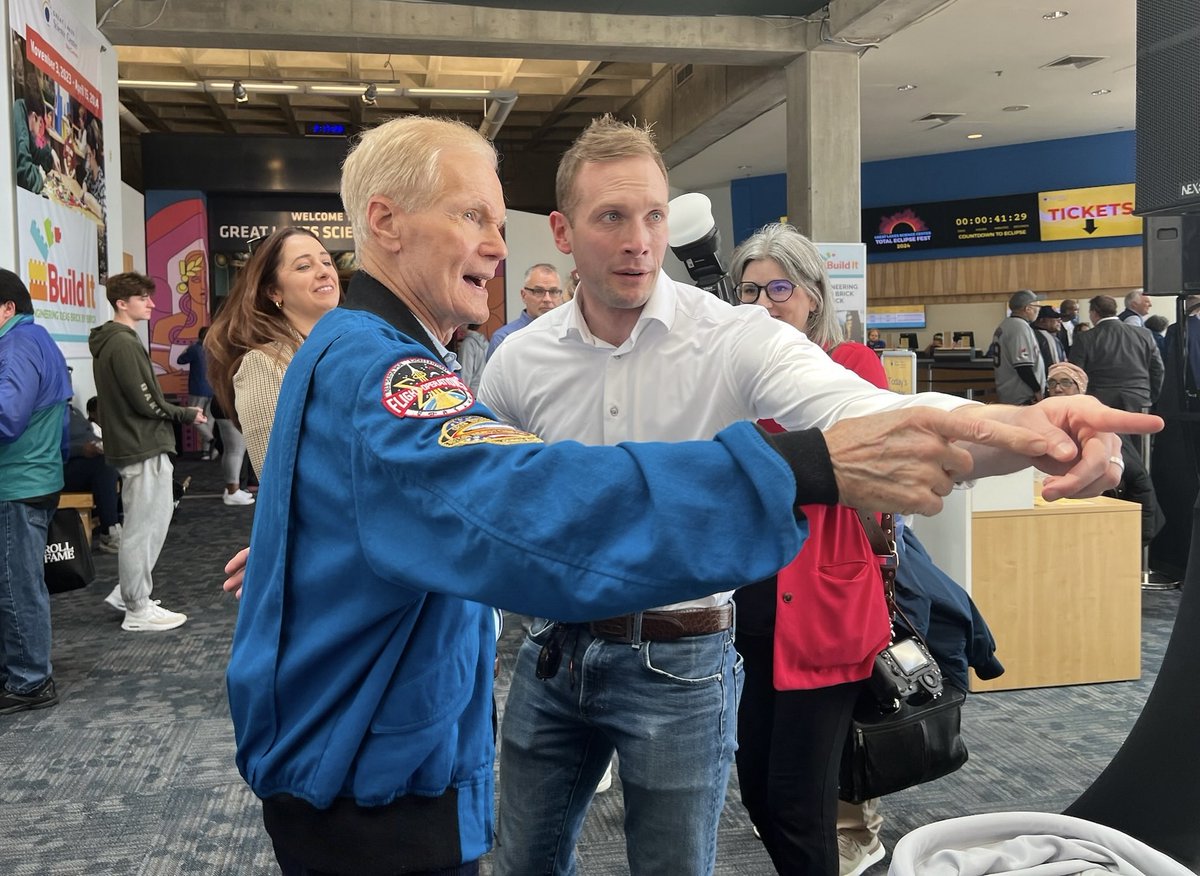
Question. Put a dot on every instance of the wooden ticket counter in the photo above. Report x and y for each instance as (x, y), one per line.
(1059, 584)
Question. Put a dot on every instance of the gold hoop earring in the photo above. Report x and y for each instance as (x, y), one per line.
(279, 304)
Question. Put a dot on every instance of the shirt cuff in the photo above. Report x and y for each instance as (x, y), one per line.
(807, 456)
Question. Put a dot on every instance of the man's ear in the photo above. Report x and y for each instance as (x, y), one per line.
(383, 220)
(560, 226)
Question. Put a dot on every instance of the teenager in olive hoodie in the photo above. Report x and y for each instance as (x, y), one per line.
(138, 440)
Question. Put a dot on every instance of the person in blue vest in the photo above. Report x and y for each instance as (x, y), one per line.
(34, 389)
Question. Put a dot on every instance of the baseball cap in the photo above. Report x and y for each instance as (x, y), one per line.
(1048, 312)
(1021, 298)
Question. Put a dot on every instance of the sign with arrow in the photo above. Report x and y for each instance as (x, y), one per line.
(1098, 211)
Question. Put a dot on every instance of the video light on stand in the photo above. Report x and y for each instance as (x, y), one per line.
(695, 240)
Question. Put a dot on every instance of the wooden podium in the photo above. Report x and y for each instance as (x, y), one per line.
(1059, 584)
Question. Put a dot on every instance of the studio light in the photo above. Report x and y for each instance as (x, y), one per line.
(370, 95)
(239, 91)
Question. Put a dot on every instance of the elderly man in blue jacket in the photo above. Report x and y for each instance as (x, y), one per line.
(34, 389)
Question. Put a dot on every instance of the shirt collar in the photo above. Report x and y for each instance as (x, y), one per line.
(659, 308)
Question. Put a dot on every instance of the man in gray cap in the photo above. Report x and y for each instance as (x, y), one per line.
(1020, 371)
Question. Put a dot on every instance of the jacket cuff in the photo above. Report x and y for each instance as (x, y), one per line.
(807, 456)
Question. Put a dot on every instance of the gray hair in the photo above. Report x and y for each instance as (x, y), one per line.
(401, 160)
(541, 266)
(804, 266)
(1133, 296)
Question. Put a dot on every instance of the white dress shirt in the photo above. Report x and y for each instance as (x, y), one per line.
(692, 366)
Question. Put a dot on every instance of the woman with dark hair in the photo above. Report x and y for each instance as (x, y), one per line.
(794, 717)
(289, 283)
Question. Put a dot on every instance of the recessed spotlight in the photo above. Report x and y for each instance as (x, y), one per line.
(1056, 14)
(1100, 91)
(1016, 107)
(974, 136)
(908, 87)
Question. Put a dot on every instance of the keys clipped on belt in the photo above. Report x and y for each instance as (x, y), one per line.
(550, 657)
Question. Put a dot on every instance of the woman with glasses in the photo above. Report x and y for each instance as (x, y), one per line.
(289, 283)
(790, 741)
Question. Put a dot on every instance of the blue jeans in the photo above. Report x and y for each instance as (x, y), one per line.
(669, 710)
(24, 602)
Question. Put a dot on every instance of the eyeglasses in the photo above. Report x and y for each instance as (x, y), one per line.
(777, 290)
(1061, 384)
(539, 292)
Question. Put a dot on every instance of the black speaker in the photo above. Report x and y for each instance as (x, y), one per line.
(1168, 105)
(1171, 254)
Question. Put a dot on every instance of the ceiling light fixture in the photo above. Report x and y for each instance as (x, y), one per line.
(158, 83)
(974, 136)
(908, 87)
(1100, 91)
(1055, 15)
(239, 91)
(370, 95)
(350, 89)
(448, 92)
(252, 87)
(1016, 108)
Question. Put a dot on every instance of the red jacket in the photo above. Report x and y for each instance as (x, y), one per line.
(831, 617)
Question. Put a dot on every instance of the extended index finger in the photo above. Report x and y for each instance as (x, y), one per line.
(972, 425)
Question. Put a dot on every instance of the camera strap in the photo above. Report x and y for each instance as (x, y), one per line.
(882, 537)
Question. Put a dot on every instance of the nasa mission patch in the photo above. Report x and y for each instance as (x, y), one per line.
(422, 388)
(464, 431)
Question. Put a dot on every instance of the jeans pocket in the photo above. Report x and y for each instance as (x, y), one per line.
(690, 661)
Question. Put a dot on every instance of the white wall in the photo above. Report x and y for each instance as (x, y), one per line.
(529, 243)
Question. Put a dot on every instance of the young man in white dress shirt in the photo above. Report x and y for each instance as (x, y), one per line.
(635, 357)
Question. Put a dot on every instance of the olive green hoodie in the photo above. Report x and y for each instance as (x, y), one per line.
(135, 417)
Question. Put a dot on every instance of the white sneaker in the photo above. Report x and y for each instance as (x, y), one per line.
(854, 858)
(151, 619)
(117, 602)
(239, 497)
(605, 780)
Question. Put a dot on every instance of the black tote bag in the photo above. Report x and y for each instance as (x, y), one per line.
(69, 564)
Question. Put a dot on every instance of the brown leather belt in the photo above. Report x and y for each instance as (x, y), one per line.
(665, 626)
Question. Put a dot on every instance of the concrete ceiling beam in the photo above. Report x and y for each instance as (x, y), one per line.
(383, 26)
(870, 21)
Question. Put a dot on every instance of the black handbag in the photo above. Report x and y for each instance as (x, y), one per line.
(69, 564)
(907, 727)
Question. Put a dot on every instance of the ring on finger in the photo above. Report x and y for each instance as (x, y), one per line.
(1117, 461)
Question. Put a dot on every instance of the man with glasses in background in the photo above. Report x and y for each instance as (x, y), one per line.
(541, 292)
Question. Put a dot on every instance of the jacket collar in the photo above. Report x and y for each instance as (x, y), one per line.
(367, 293)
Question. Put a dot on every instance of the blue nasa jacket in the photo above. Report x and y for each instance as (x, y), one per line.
(393, 511)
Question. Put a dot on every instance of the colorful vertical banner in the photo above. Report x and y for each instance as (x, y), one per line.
(58, 156)
(177, 260)
(847, 267)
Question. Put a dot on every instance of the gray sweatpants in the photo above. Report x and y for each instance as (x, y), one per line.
(147, 493)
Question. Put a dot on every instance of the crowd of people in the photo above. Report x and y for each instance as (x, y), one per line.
(573, 481)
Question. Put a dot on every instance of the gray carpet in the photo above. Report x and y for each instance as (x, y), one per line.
(133, 773)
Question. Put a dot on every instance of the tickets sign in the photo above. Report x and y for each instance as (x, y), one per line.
(1097, 211)
(1067, 214)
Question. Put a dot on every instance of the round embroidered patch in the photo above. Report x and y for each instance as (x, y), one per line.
(423, 388)
(462, 431)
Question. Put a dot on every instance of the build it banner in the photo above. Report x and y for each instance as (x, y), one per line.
(58, 156)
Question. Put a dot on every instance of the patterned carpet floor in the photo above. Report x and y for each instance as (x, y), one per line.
(132, 774)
